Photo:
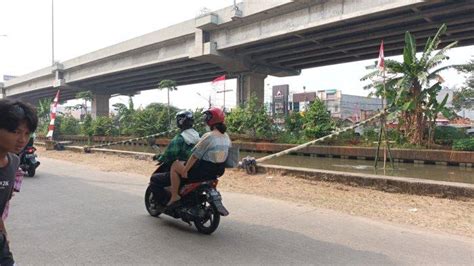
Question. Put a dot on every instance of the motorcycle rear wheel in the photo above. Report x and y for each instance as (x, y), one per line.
(150, 204)
(210, 222)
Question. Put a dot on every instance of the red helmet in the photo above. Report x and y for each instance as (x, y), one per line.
(214, 116)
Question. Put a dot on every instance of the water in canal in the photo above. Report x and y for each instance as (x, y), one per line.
(424, 171)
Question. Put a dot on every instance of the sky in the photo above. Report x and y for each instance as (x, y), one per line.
(84, 26)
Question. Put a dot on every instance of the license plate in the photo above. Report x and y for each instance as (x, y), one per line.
(30, 155)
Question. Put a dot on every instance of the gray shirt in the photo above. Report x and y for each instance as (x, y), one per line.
(213, 147)
(7, 179)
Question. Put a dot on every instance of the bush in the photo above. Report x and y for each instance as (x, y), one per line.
(464, 144)
(87, 126)
(294, 124)
(199, 124)
(104, 126)
(69, 125)
(317, 121)
(446, 134)
(153, 119)
(251, 120)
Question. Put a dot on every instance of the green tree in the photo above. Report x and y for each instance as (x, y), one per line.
(294, 123)
(199, 124)
(412, 81)
(104, 126)
(464, 98)
(251, 119)
(169, 85)
(87, 128)
(44, 109)
(124, 117)
(153, 119)
(317, 121)
(69, 125)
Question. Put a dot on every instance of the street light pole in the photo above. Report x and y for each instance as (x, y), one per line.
(52, 32)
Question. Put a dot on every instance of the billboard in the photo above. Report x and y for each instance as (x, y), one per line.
(280, 102)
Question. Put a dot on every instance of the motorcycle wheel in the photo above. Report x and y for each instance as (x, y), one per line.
(209, 223)
(150, 204)
(31, 171)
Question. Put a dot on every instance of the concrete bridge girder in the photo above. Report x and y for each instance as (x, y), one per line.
(254, 39)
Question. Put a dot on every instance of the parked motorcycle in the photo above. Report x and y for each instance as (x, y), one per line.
(200, 201)
(28, 161)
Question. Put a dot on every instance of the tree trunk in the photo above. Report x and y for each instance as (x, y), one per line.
(417, 123)
(169, 118)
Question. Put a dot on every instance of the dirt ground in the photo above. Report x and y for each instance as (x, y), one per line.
(436, 214)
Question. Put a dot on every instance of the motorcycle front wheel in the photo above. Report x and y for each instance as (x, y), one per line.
(210, 221)
(150, 203)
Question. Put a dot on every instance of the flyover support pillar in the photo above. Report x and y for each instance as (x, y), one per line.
(100, 105)
(248, 85)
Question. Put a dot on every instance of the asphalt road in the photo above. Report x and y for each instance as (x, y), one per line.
(71, 214)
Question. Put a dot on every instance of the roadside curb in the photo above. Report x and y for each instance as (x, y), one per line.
(416, 186)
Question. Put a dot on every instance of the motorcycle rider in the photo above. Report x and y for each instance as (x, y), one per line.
(179, 148)
(208, 157)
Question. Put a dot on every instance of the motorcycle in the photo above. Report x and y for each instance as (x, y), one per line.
(200, 201)
(28, 161)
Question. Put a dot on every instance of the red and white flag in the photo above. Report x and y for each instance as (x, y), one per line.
(381, 62)
(53, 116)
(218, 83)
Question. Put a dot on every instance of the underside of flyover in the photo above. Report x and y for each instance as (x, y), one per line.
(343, 41)
(359, 38)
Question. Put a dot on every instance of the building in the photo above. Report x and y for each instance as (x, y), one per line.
(343, 106)
(301, 101)
(466, 113)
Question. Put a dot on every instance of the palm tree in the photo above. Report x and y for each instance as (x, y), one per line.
(170, 85)
(409, 85)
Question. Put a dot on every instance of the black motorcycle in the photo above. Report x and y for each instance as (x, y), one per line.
(200, 201)
(28, 161)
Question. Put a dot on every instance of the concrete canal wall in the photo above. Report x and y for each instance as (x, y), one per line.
(423, 156)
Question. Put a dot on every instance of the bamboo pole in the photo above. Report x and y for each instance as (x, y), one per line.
(302, 146)
(87, 148)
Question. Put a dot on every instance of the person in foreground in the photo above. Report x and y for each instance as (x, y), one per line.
(209, 155)
(17, 121)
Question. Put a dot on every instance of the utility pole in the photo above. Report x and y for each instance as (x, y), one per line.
(52, 32)
(208, 100)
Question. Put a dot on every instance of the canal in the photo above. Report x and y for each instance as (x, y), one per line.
(423, 171)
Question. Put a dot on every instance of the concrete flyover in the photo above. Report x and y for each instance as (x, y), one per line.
(249, 42)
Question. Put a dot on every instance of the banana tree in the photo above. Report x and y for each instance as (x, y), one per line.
(409, 80)
(433, 107)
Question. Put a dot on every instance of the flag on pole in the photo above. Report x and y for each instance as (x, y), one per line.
(381, 61)
(53, 116)
(218, 82)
